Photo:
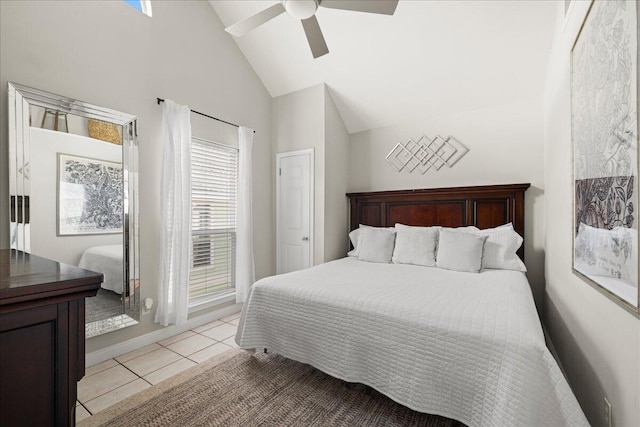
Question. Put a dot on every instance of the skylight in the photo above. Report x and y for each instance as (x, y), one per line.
(143, 6)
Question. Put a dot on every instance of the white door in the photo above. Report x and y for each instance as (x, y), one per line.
(294, 211)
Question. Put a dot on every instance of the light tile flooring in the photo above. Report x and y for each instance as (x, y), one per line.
(114, 380)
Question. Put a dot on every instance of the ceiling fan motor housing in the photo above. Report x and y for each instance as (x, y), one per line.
(301, 9)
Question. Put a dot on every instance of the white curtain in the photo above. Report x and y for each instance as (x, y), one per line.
(245, 273)
(175, 235)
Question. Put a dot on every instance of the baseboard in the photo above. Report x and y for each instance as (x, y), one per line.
(552, 349)
(121, 348)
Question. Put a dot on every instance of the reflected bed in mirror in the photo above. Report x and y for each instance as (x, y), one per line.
(73, 189)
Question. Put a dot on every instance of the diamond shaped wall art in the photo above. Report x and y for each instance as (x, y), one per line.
(425, 154)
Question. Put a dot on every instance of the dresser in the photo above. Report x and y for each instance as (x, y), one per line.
(42, 338)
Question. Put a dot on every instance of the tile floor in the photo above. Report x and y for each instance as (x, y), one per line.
(114, 380)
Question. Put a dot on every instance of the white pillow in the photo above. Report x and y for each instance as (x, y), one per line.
(415, 245)
(376, 245)
(501, 247)
(460, 251)
(355, 235)
(602, 252)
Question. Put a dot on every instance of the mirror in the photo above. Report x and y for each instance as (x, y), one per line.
(73, 187)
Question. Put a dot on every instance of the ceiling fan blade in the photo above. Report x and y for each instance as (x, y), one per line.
(314, 37)
(247, 25)
(385, 7)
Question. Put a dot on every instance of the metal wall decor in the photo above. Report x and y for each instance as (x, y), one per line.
(426, 153)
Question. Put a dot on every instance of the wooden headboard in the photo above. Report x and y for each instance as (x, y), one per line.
(484, 206)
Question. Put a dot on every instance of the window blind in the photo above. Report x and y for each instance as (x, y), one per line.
(214, 189)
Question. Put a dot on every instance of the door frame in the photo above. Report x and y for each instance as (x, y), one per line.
(279, 157)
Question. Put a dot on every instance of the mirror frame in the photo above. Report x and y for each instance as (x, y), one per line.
(21, 98)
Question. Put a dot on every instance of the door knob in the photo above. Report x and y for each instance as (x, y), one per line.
(305, 238)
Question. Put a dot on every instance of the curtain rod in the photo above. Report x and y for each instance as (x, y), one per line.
(207, 116)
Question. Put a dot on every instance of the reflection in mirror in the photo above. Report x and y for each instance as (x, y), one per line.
(73, 187)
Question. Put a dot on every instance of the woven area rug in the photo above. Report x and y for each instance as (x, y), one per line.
(238, 388)
(104, 305)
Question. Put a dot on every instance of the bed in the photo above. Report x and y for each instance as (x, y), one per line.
(108, 261)
(467, 346)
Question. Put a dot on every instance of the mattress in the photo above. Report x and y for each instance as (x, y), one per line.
(467, 346)
(108, 261)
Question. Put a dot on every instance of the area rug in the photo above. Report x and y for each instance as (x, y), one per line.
(238, 388)
(104, 305)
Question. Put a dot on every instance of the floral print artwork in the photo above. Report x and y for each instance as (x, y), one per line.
(604, 115)
(90, 196)
(605, 202)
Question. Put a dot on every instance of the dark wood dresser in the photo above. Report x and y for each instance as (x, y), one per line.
(42, 338)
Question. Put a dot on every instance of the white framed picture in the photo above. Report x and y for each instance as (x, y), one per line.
(89, 196)
(604, 112)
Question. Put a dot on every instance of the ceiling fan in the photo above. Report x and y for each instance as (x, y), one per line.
(305, 11)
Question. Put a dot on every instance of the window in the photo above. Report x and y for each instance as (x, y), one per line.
(214, 189)
(143, 6)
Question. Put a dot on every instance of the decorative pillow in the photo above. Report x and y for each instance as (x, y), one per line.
(460, 251)
(355, 235)
(376, 245)
(415, 245)
(500, 248)
(602, 252)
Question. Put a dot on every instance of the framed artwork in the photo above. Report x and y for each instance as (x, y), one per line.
(89, 196)
(604, 115)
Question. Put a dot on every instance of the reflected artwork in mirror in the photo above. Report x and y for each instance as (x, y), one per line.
(604, 114)
(73, 185)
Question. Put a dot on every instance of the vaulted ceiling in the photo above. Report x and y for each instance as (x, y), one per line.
(429, 58)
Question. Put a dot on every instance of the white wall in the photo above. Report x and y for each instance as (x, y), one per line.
(336, 213)
(45, 146)
(308, 118)
(109, 54)
(598, 342)
(505, 147)
(298, 123)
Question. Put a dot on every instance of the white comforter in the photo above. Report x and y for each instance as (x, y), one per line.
(461, 345)
(108, 261)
